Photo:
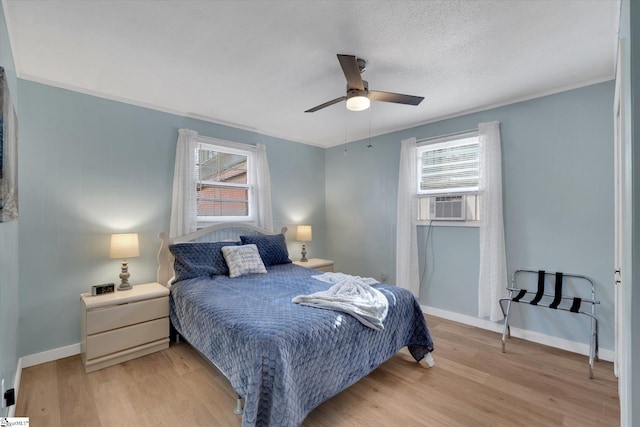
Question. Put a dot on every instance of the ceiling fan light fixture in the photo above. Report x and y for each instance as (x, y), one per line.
(358, 103)
(358, 96)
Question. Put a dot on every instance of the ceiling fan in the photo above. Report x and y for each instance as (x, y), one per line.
(358, 95)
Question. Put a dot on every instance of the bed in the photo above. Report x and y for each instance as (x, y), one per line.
(283, 359)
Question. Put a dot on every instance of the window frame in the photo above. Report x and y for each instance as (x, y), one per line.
(442, 143)
(220, 145)
(439, 143)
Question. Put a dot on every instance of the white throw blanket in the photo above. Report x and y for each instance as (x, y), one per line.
(352, 295)
(334, 278)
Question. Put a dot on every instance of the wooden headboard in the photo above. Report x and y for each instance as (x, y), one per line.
(224, 232)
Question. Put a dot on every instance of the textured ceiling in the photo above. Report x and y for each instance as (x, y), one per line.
(260, 64)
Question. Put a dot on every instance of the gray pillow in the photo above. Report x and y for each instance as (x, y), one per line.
(244, 259)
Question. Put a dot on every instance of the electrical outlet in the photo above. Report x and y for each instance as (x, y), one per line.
(4, 405)
(10, 397)
(383, 278)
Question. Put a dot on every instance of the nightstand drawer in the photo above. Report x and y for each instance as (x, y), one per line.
(328, 268)
(121, 339)
(113, 317)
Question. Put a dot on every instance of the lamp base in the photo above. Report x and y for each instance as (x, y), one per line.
(124, 277)
(125, 286)
(304, 253)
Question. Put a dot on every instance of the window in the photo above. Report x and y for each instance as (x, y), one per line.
(224, 179)
(448, 178)
(218, 181)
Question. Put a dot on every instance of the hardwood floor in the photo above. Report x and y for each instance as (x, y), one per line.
(472, 384)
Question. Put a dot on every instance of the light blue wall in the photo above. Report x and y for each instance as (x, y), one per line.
(90, 167)
(8, 248)
(558, 205)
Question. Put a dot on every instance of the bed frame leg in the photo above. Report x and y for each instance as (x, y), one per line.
(174, 336)
(428, 360)
(238, 410)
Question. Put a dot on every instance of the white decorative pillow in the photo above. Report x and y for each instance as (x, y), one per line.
(243, 259)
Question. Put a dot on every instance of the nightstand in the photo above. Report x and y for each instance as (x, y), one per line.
(123, 325)
(316, 264)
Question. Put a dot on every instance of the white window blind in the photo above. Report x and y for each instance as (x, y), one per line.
(449, 167)
(223, 183)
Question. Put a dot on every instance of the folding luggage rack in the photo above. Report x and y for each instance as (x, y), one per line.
(540, 298)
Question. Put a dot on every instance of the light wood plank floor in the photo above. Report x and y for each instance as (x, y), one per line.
(472, 384)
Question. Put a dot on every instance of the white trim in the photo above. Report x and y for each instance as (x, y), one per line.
(446, 137)
(435, 223)
(490, 107)
(50, 355)
(237, 147)
(16, 388)
(37, 359)
(150, 106)
(241, 149)
(623, 270)
(572, 346)
(129, 101)
(162, 109)
(476, 110)
(448, 141)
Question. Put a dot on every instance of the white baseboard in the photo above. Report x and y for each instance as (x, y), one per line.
(572, 346)
(37, 359)
(50, 355)
(537, 337)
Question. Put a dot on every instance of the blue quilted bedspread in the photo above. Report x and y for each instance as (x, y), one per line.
(284, 358)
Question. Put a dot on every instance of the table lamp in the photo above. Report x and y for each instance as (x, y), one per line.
(124, 246)
(303, 234)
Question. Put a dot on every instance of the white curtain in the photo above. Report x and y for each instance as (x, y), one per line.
(184, 218)
(492, 280)
(264, 217)
(407, 271)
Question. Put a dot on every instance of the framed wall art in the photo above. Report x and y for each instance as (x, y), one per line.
(8, 154)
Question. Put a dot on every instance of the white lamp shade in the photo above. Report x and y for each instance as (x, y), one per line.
(358, 103)
(303, 233)
(124, 246)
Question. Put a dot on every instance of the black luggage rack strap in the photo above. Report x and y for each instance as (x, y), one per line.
(539, 297)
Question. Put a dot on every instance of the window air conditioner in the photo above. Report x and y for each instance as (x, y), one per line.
(447, 208)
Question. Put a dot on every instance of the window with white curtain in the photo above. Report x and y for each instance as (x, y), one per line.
(224, 178)
(448, 176)
(218, 181)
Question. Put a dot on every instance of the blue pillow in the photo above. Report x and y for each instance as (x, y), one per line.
(199, 259)
(272, 249)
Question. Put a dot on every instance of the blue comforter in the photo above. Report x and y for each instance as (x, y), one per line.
(283, 358)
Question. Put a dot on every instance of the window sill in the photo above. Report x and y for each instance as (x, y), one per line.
(475, 224)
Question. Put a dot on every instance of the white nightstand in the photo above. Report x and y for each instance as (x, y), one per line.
(123, 325)
(316, 264)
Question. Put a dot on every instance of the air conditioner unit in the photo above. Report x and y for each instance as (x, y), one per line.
(447, 208)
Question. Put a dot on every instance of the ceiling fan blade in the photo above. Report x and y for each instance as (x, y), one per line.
(351, 71)
(395, 97)
(326, 104)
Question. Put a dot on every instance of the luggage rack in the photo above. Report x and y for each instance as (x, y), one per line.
(540, 298)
